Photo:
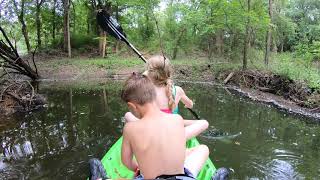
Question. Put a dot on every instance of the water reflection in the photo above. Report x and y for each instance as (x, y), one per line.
(58, 141)
(272, 145)
(80, 124)
(16, 151)
(282, 170)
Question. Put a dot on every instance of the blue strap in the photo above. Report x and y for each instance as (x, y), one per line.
(174, 93)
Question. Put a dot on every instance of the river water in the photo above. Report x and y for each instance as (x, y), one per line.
(254, 140)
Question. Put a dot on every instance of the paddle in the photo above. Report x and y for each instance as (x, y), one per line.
(110, 25)
(194, 114)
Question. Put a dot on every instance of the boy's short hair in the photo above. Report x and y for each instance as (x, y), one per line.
(139, 89)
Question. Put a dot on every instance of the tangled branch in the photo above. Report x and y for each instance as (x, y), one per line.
(12, 60)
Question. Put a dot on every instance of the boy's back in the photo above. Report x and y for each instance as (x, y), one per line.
(161, 133)
(158, 139)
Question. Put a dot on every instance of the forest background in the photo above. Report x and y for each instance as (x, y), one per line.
(282, 36)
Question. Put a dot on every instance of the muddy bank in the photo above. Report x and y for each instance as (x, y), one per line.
(297, 92)
(275, 101)
(277, 90)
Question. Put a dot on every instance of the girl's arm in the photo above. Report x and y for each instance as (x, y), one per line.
(188, 103)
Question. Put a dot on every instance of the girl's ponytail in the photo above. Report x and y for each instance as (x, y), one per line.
(160, 72)
(171, 102)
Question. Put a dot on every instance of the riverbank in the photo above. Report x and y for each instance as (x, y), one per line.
(295, 95)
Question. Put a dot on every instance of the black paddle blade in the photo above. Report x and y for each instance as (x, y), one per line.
(109, 24)
(194, 114)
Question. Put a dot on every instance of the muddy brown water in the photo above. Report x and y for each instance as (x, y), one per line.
(256, 141)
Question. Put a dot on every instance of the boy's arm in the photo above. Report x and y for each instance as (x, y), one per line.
(126, 151)
(184, 98)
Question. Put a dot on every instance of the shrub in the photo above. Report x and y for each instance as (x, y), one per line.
(309, 52)
(78, 41)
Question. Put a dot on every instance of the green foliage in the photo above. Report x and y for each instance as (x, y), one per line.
(78, 41)
(83, 40)
(308, 52)
(298, 70)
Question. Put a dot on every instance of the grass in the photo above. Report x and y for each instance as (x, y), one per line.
(111, 62)
(283, 64)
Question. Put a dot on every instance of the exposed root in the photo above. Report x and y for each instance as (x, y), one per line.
(296, 92)
(19, 97)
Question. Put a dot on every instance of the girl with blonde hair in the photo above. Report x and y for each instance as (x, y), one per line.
(160, 71)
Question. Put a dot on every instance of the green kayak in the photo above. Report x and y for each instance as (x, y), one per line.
(115, 169)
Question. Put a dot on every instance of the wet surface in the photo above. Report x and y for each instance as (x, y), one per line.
(254, 140)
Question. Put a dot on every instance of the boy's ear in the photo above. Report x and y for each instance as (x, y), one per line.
(131, 105)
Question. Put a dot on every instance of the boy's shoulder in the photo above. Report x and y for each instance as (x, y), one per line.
(129, 127)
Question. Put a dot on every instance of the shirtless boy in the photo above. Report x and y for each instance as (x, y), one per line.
(157, 140)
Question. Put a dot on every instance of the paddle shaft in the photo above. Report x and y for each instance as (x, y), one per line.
(116, 31)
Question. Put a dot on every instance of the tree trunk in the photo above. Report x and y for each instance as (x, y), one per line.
(104, 52)
(274, 47)
(66, 23)
(54, 19)
(88, 25)
(116, 45)
(23, 23)
(74, 17)
(102, 43)
(25, 35)
(210, 46)
(247, 40)
(38, 21)
(219, 42)
(235, 40)
(177, 44)
(281, 46)
(0, 8)
(92, 18)
(268, 38)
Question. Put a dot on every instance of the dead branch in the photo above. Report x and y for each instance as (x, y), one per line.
(32, 94)
(7, 73)
(12, 59)
(228, 78)
(5, 89)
